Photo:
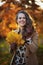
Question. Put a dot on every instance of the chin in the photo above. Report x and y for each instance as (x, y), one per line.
(22, 25)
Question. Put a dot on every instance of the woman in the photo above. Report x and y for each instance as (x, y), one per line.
(26, 54)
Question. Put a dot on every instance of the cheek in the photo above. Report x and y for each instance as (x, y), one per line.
(24, 19)
(17, 20)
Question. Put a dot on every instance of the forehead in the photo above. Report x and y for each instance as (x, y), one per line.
(21, 15)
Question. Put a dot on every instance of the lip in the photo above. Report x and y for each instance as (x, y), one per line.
(22, 21)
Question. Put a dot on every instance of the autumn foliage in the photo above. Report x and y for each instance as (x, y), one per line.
(7, 18)
(14, 37)
(9, 10)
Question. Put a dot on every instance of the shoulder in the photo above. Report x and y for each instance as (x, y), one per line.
(35, 36)
(35, 33)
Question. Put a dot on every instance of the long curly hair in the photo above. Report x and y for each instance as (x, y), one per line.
(28, 28)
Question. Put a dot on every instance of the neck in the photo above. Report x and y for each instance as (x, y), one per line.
(22, 27)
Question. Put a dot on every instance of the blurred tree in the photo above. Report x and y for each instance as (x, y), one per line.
(7, 18)
(9, 9)
(23, 2)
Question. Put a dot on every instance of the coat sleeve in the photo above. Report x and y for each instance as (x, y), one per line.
(34, 43)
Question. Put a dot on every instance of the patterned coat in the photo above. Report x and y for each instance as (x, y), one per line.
(30, 53)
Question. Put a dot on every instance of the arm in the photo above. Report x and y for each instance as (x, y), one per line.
(33, 45)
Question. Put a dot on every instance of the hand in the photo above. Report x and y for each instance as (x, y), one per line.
(28, 40)
(13, 46)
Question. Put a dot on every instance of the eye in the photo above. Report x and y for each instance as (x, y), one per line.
(19, 17)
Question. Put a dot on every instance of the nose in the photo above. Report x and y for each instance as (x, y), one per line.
(22, 19)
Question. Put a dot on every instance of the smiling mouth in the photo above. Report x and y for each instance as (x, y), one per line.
(22, 21)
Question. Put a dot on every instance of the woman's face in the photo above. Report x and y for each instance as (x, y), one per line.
(21, 20)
